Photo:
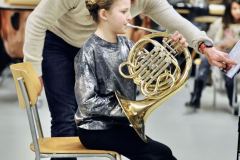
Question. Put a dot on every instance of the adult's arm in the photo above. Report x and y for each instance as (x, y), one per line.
(165, 15)
(43, 16)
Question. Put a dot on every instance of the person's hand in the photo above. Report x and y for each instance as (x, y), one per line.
(218, 58)
(178, 38)
(41, 81)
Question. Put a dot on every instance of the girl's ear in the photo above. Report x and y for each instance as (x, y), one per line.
(102, 14)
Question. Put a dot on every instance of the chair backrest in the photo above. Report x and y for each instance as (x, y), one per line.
(28, 88)
(31, 81)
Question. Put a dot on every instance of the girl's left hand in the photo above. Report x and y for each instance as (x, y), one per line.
(178, 38)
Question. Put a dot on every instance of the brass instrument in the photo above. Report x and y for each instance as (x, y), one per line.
(159, 71)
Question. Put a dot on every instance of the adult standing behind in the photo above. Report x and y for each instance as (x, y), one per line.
(55, 31)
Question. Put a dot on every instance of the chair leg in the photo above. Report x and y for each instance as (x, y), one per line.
(235, 104)
(114, 157)
(37, 157)
(214, 94)
(118, 157)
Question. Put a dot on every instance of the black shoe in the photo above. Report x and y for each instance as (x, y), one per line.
(193, 104)
(235, 110)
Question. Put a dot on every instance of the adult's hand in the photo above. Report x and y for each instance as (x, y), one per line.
(218, 58)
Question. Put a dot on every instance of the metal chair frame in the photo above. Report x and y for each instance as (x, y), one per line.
(62, 147)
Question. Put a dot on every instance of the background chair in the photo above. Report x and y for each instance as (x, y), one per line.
(28, 88)
(219, 87)
(218, 82)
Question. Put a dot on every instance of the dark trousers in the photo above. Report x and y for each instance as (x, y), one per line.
(5, 59)
(124, 140)
(203, 73)
(229, 84)
(59, 79)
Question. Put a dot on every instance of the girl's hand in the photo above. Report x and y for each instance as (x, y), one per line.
(178, 42)
(178, 38)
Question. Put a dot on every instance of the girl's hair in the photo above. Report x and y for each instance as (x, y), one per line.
(94, 6)
(227, 17)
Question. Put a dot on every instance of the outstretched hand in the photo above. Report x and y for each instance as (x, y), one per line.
(215, 57)
(218, 58)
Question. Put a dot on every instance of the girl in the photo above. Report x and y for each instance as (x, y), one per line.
(100, 120)
(56, 30)
(225, 31)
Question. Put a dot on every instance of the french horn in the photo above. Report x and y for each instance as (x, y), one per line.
(159, 69)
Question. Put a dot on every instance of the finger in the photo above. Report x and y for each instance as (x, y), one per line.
(223, 70)
(219, 64)
(224, 58)
(229, 61)
(228, 67)
(178, 48)
(175, 33)
(183, 42)
(176, 36)
(224, 65)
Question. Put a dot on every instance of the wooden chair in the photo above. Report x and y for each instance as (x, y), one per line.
(28, 88)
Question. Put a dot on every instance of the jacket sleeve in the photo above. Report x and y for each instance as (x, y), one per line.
(165, 15)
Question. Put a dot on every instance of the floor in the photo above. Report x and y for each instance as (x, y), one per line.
(207, 134)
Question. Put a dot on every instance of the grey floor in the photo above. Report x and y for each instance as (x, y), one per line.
(208, 134)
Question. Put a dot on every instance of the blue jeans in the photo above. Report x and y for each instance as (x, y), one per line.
(59, 79)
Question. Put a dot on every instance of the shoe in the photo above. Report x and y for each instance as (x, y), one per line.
(192, 104)
(194, 101)
(235, 110)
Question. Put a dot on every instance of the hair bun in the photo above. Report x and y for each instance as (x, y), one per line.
(91, 4)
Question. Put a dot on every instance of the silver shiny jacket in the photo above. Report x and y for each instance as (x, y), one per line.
(97, 78)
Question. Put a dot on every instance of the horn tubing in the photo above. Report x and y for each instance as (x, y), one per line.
(167, 83)
(142, 28)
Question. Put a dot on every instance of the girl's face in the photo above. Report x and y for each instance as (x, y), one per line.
(235, 11)
(119, 16)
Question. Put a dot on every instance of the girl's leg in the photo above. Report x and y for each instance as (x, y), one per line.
(125, 141)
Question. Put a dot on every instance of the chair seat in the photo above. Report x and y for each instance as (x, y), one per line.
(66, 145)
